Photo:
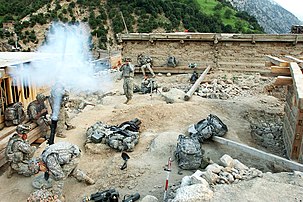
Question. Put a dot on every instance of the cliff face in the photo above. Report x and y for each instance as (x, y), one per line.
(271, 16)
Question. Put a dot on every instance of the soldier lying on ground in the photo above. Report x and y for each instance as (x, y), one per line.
(59, 161)
(19, 152)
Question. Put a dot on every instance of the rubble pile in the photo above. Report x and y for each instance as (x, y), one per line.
(122, 138)
(42, 195)
(197, 187)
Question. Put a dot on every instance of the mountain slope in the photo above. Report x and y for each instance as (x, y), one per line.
(270, 15)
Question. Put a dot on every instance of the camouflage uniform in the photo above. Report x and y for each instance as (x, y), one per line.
(22, 152)
(145, 62)
(63, 120)
(61, 160)
(128, 84)
(37, 112)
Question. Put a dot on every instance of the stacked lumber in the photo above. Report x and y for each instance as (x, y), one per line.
(281, 68)
(32, 136)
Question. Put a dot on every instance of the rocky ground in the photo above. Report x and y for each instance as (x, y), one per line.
(246, 103)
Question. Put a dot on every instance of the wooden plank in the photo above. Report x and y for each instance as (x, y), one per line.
(283, 71)
(4, 141)
(9, 130)
(188, 36)
(33, 135)
(299, 61)
(297, 76)
(283, 80)
(277, 160)
(277, 61)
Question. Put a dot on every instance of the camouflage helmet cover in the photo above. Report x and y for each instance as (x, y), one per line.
(22, 129)
(40, 97)
(127, 59)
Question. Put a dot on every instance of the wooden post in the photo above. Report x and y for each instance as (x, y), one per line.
(124, 22)
(196, 84)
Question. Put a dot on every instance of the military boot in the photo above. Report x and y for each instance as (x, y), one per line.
(61, 135)
(127, 101)
(89, 181)
(70, 127)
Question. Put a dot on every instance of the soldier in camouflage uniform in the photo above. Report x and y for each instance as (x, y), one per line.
(145, 62)
(128, 75)
(60, 160)
(37, 112)
(59, 98)
(19, 152)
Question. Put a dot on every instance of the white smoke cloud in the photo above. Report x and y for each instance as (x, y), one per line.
(65, 57)
(67, 49)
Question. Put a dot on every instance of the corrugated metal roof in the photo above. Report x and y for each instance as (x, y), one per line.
(15, 58)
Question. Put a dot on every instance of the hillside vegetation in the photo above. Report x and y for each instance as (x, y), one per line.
(32, 18)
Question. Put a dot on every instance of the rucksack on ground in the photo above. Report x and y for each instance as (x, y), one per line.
(188, 153)
(208, 127)
(14, 114)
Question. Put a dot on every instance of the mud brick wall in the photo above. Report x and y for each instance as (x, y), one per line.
(227, 54)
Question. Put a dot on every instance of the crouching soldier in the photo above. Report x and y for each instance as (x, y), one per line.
(59, 161)
(19, 152)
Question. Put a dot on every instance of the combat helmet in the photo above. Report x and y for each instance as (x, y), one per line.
(22, 129)
(40, 97)
(127, 59)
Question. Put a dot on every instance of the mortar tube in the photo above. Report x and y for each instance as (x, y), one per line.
(53, 127)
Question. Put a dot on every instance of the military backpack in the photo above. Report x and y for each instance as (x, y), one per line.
(14, 114)
(188, 153)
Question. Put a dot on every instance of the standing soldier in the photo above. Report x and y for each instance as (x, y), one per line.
(145, 62)
(59, 161)
(37, 112)
(128, 75)
(19, 152)
(63, 118)
(59, 98)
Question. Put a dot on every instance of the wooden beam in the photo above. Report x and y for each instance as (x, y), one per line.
(276, 160)
(33, 135)
(277, 61)
(196, 84)
(283, 80)
(299, 61)
(297, 76)
(283, 71)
